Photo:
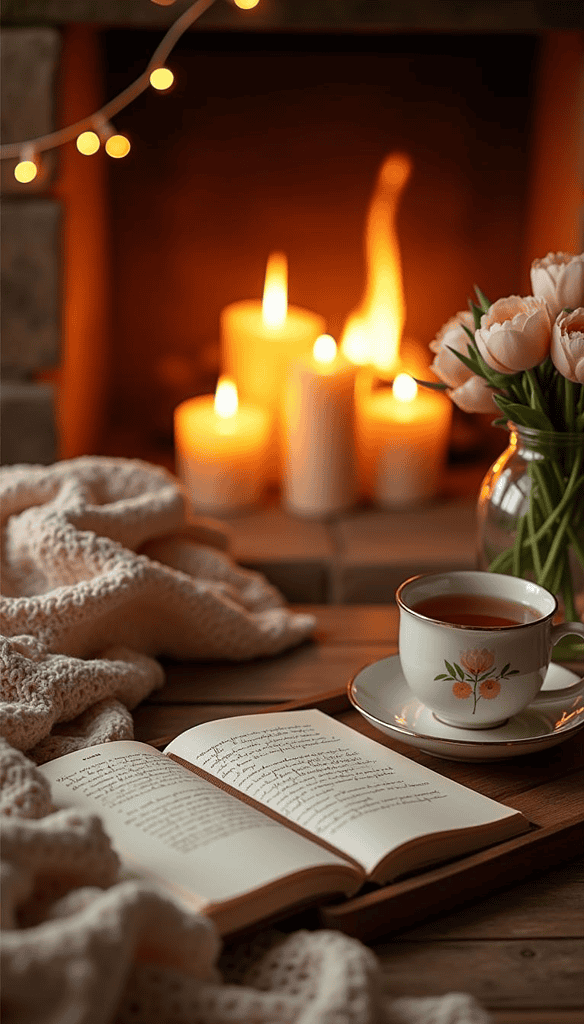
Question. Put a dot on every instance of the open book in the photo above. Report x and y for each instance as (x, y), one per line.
(250, 817)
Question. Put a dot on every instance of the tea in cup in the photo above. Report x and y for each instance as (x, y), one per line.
(475, 647)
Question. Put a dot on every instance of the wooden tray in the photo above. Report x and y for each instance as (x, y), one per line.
(547, 787)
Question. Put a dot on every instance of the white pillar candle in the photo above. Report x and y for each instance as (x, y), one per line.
(259, 340)
(221, 450)
(319, 443)
(404, 431)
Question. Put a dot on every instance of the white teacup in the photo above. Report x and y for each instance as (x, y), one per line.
(475, 647)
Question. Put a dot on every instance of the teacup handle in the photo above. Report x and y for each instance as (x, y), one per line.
(563, 629)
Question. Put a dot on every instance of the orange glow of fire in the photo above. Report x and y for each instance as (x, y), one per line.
(324, 349)
(275, 300)
(226, 401)
(372, 332)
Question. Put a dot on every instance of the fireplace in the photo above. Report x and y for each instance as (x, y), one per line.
(271, 138)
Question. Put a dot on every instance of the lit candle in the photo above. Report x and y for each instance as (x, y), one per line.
(221, 449)
(260, 339)
(319, 446)
(404, 432)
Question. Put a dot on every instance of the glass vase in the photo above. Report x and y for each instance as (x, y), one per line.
(531, 519)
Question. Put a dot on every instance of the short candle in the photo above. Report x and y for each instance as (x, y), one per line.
(405, 431)
(259, 340)
(221, 450)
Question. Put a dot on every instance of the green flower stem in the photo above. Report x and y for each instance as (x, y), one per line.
(569, 404)
(516, 561)
(539, 477)
(576, 544)
(537, 399)
(571, 487)
(557, 542)
(513, 560)
(562, 581)
(531, 532)
(574, 539)
(567, 591)
(502, 562)
(562, 578)
(524, 389)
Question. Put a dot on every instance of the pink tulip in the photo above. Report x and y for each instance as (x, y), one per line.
(567, 349)
(446, 365)
(559, 279)
(474, 396)
(514, 334)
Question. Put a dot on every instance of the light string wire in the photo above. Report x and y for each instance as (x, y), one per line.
(123, 99)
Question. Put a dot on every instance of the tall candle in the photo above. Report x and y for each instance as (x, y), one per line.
(404, 431)
(259, 340)
(221, 449)
(319, 447)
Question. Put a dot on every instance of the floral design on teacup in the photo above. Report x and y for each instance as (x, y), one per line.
(474, 677)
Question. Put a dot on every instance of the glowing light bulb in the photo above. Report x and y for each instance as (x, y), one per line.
(404, 388)
(246, 5)
(161, 79)
(275, 300)
(324, 349)
(88, 143)
(226, 401)
(117, 146)
(25, 171)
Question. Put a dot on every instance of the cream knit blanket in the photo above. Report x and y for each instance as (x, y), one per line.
(103, 571)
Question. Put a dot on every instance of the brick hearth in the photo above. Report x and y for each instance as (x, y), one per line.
(357, 558)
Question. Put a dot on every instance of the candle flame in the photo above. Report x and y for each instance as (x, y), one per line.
(324, 349)
(404, 388)
(226, 400)
(373, 330)
(275, 301)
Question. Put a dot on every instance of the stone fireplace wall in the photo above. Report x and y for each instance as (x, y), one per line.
(31, 251)
(54, 313)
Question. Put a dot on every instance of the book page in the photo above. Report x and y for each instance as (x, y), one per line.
(174, 825)
(354, 793)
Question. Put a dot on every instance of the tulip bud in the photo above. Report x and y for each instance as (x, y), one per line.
(567, 348)
(559, 279)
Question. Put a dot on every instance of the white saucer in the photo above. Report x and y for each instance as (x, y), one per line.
(380, 693)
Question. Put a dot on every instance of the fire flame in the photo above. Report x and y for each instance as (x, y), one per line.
(404, 388)
(373, 330)
(275, 300)
(324, 349)
(226, 401)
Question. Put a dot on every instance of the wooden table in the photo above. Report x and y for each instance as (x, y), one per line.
(519, 951)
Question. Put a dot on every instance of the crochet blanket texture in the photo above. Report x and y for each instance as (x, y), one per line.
(103, 571)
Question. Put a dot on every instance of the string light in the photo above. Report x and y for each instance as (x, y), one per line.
(96, 127)
(88, 143)
(117, 146)
(27, 167)
(161, 79)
